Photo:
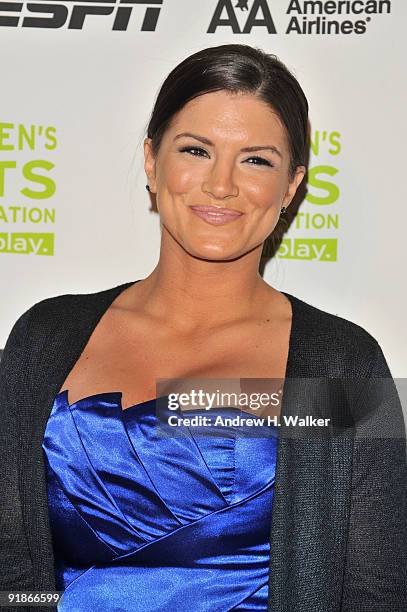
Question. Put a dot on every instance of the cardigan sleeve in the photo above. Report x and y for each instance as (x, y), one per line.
(375, 575)
(15, 562)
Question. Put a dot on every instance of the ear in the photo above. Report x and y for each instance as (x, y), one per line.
(293, 185)
(149, 165)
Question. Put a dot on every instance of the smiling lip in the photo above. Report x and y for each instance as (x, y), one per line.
(215, 215)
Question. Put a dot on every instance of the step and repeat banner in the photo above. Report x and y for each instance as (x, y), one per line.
(79, 79)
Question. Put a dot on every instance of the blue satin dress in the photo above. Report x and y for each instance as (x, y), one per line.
(143, 522)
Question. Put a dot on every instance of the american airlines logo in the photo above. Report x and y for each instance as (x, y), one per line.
(241, 18)
(303, 17)
(73, 14)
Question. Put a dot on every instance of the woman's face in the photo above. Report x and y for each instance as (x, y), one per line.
(209, 167)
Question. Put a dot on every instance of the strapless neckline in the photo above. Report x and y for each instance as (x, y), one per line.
(113, 397)
(156, 523)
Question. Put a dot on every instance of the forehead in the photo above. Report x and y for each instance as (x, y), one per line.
(223, 114)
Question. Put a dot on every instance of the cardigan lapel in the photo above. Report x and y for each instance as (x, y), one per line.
(312, 488)
(310, 505)
(62, 332)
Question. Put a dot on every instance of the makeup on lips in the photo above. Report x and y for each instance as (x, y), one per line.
(216, 215)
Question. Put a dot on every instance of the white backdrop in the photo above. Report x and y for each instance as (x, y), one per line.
(84, 96)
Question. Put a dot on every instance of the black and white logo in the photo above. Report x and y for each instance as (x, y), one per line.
(314, 17)
(74, 15)
(300, 17)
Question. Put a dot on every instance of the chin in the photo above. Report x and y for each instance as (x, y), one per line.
(214, 254)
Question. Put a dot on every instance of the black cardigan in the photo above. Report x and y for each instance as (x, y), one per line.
(339, 518)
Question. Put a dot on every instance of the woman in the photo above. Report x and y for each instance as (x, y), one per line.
(96, 503)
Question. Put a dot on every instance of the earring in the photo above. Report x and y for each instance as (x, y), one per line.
(283, 211)
(148, 188)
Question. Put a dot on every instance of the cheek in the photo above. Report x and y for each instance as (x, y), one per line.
(177, 177)
(267, 194)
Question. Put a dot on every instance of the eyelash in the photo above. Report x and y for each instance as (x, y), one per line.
(189, 149)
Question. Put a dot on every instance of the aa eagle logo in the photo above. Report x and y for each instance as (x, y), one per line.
(242, 4)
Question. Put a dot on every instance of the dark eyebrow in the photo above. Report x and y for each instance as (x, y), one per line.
(252, 149)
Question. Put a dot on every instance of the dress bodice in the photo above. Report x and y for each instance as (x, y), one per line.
(145, 521)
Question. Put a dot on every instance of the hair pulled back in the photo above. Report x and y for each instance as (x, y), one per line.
(236, 68)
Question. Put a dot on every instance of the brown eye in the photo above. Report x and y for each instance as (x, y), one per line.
(189, 149)
(260, 161)
(263, 162)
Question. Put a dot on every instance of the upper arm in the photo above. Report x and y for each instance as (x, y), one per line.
(15, 562)
(375, 577)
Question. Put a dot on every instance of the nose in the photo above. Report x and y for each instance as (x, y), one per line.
(220, 182)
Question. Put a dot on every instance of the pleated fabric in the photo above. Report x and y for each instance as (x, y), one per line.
(151, 522)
